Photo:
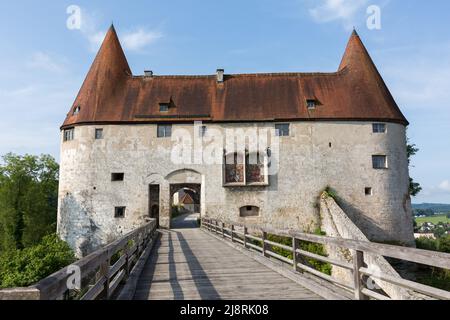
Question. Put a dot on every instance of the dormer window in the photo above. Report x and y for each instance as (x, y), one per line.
(311, 103)
(76, 110)
(164, 107)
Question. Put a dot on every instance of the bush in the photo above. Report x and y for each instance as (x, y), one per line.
(21, 268)
(316, 248)
(426, 244)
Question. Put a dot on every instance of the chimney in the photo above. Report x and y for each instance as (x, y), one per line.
(219, 73)
(148, 73)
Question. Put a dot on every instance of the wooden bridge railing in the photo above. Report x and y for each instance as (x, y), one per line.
(101, 272)
(239, 233)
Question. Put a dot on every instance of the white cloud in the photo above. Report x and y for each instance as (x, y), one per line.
(43, 61)
(139, 39)
(338, 10)
(445, 185)
(131, 40)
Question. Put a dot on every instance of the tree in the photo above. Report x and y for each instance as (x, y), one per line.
(414, 187)
(28, 199)
(20, 268)
(444, 244)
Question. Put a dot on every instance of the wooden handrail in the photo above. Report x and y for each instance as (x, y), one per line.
(94, 267)
(360, 248)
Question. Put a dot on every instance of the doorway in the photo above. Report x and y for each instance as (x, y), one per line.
(154, 191)
(185, 200)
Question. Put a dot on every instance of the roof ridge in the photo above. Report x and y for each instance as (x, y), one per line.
(238, 75)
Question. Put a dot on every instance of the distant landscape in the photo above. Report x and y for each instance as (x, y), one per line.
(437, 207)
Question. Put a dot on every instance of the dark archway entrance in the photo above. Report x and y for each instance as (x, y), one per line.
(154, 191)
(185, 199)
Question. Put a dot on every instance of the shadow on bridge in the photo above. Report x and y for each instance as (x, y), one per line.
(174, 272)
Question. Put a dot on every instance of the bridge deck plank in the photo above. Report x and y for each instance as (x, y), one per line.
(190, 264)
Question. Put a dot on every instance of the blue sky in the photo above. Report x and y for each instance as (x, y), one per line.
(43, 63)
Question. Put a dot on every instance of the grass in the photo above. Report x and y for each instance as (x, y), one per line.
(433, 219)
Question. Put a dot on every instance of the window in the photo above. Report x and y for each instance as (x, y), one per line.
(234, 168)
(164, 131)
(249, 211)
(253, 170)
(311, 103)
(202, 131)
(379, 162)
(282, 129)
(69, 134)
(117, 176)
(368, 191)
(119, 212)
(163, 107)
(98, 134)
(379, 128)
(76, 110)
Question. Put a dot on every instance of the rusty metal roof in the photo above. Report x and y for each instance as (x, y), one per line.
(111, 94)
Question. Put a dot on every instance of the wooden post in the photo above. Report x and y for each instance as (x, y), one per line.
(232, 233)
(245, 237)
(223, 230)
(217, 227)
(104, 272)
(264, 238)
(358, 262)
(294, 252)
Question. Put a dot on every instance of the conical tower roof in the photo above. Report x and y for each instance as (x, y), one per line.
(106, 78)
(361, 70)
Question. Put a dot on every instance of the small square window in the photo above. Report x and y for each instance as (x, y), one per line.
(98, 134)
(117, 176)
(164, 131)
(119, 212)
(202, 131)
(282, 129)
(163, 107)
(379, 162)
(379, 128)
(69, 134)
(311, 103)
(368, 191)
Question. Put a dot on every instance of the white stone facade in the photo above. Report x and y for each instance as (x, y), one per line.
(315, 155)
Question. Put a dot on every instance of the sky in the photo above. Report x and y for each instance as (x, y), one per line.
(46, 54)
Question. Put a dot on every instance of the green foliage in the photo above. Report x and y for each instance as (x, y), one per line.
(316, 248)
(20, 268)
(444, 244)
(441, 244)
(28, 200)
(331, 192)
(414, 187)
(176, 211)
(435, 277)
(427, 244)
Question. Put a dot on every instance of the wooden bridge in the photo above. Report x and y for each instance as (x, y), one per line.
(224, 260)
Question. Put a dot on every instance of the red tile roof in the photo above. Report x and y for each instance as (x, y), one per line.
(111, 94)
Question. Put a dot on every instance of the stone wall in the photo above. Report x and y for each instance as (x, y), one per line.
(335, 223)
(315, 155)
